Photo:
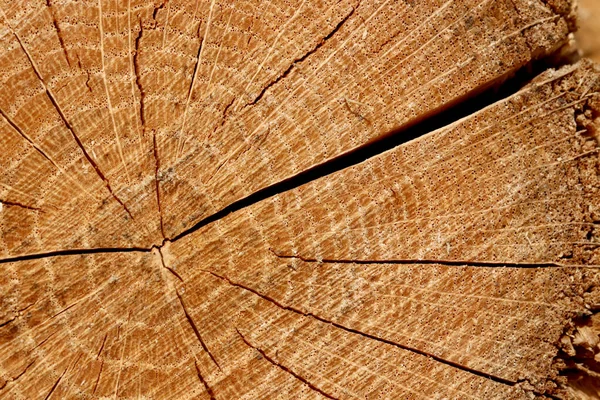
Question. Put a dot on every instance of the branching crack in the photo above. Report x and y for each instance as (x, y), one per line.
(204, 383)
(364, 334)
(70, 128)
(195, 329)
(302, 58)
(284, 368)
(458, 263)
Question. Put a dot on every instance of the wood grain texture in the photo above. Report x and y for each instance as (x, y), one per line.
(461, 264)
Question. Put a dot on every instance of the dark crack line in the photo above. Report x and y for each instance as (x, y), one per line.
(74, 252)
(58, 32)
(284, 368)
(102, 346)
(171, 270)
(204, 383)
(224, 116)
(63, 310)
(98, 378)
(442, 117)
(496, 379)
(457, 263)
(17, 376)
(138, 76)
(20, 205)
(195, 329)
(70, 128)
(157, 185)
(298, 60)
(26, 137)
(56, 384)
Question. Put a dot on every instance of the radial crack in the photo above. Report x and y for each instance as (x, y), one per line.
(457, 263)
(69, 127)
(284, 368)
(206, 386)
(16, 204)
(298, 60)
(138, 76)
(102, 346)
(17, 376)
(171, 270)
(364, 334)
(195, 329)
(157, 186)
(56, 384)
(71, 252)
(26, 137)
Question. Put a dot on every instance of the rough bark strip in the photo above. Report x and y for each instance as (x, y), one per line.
(196, 331)
(366, 335)
(284, 368)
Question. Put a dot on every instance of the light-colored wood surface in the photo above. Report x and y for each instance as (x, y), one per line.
(461, 264)
(588, 36)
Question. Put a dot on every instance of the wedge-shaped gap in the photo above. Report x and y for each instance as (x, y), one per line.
(465, 106)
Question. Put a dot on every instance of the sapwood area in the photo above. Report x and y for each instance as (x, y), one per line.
(298, 199)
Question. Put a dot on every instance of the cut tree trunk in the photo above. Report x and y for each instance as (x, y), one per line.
(301, 199)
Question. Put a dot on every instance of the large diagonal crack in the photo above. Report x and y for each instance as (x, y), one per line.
(70, 128)
(364, 334)
(300, 59)
(457, 263)
(470, 104)
(195, 329)
(284, 368)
